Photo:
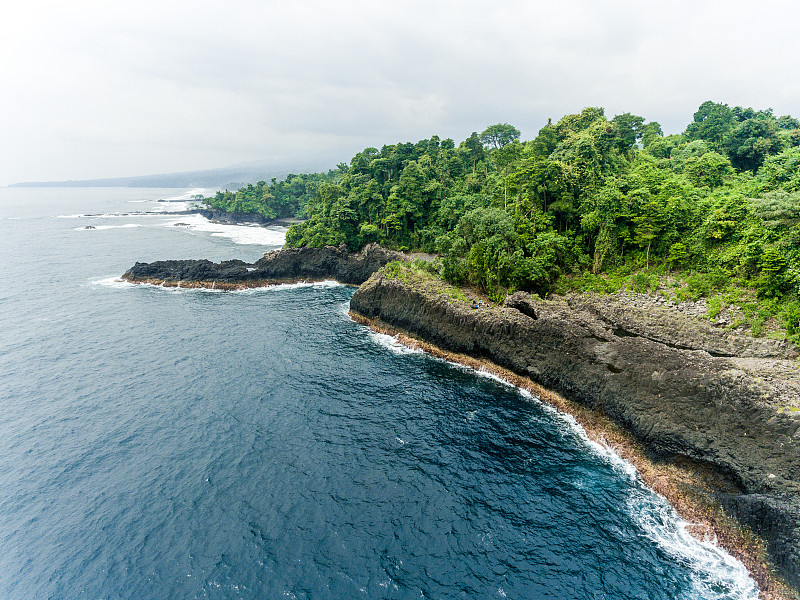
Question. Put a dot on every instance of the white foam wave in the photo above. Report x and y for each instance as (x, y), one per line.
(117, 283)
(112, 282)
(90, 227)
(344, 310)
(714, 572)
(289, 286)
(173, 206)
(239, 234)
(188, 194)
(121, 215)
(483, 372)
(392, 344)
(599, 449)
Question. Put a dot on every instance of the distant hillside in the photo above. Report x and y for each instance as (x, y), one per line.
(224, 178)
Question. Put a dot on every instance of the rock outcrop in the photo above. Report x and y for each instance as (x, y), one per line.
(663, 323)
(289, 264)
(664, 386)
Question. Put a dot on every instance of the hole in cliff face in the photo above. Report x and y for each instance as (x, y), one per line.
(613, 369)
(619, 332)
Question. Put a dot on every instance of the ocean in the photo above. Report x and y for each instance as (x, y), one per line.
(171, 443)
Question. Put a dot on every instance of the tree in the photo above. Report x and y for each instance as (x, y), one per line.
(750, 142)
(787, 122)
(570, 124)
(712, 122)
(599, 222)
(503, 159)
(629, 130)
(649, 223)
(475, 148)
(781, 171)
(780, 212)
(650, 133)
(499, 135)
(678, 255)
(710, 169)
(545, 142)
(773, 268)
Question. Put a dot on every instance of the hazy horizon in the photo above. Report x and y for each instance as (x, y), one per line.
(96, 90)
(238, 174)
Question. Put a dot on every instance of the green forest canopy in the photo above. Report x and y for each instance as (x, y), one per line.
(588, 195)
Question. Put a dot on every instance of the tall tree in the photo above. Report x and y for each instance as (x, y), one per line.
(474, 146)
(500, 135)
(712, 122)
(629, 130)
(750, 142)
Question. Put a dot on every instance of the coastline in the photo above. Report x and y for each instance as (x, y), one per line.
(678, 408)
(216, 215)
(227, 286)
(687, 487)
(709, 419)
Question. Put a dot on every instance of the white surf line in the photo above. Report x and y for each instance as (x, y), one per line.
(119, 283)
(328, 283)
(258, 235)
(102, 227)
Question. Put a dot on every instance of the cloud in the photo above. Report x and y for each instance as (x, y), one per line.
(95, 89)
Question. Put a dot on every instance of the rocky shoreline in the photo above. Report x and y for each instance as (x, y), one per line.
(278, 266)
(710, 418)
(683, 406)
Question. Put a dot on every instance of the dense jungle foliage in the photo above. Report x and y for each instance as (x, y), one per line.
(589, 203)
(274, 200)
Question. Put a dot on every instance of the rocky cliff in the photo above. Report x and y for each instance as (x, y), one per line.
(670, 388)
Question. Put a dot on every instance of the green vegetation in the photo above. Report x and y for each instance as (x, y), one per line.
(423, 272)
(274, 200)
(590, 203)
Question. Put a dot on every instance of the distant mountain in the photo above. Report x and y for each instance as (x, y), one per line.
(225, 178)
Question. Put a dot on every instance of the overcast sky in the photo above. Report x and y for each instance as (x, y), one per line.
(105, 89)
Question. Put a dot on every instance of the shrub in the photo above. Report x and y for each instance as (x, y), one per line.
(640, 282)
(791, 318)
(714, 306)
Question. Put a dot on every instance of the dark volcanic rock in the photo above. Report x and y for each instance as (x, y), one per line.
(523, 303)
(666, 325)
(326, 263)
(676, 402)
(289, 264)
(174, 271)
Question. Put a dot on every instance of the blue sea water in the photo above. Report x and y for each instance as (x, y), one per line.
(168, 444)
